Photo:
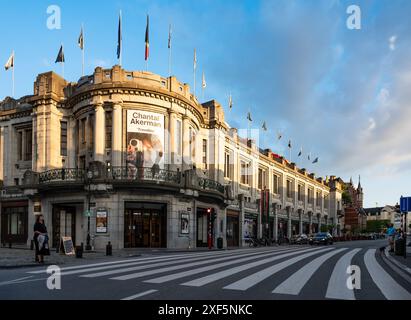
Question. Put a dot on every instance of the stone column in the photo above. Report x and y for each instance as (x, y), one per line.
(171, 140)
(289, 223)
(310, 217)
(300, 215)
(186, 143)
(117, 134)
(275, 231)
(319, 222)
(1, 153)
(99, 133)
(71, 143)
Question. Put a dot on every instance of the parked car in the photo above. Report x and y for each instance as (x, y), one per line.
(322, 238)
(299, 239)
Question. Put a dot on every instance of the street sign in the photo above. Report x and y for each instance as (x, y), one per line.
(405, 204)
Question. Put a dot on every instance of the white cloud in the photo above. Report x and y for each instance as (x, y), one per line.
(392, 42)
(371, 124)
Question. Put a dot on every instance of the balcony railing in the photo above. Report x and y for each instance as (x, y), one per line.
(144, 174)
(210, 185)
(61, 175)
(124, 174)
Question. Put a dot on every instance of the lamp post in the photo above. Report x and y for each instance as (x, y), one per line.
(89, 177)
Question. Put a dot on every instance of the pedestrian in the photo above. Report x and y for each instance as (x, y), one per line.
(41, 239)
(391, 235)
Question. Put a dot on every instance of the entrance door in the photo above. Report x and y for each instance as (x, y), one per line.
(232, 230)
(14, 222)
(64, 223)
(145, 227)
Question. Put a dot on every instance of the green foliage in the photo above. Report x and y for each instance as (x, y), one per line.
(377, 225)
(346, 197)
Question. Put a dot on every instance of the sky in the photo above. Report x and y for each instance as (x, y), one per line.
(342, 95)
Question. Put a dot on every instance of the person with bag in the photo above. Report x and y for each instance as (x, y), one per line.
(41, 239)
(391, 236)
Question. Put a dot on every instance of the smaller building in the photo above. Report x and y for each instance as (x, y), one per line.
(355, 218)
(388, 212)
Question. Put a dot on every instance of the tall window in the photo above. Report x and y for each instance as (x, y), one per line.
(261, 179)
(109, 129)
(83, 130)
(226, 165)
(177, 136)
(205, 153)
(28, 149)
(300, 192)
(319, 198)
(289, 191)
(63, 138)
(91, 131)
(276, 180)
(192, 137)
(19, 145)
(326, 202)
(311, 196)
(245, 173)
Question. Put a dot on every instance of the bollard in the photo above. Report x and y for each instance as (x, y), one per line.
(79, 252)
(109, 249)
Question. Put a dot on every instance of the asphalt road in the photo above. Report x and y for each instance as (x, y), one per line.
(278, 272)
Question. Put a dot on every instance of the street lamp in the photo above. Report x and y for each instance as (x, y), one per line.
(89, 177)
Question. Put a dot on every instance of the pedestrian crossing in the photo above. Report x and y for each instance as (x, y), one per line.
(278, 271)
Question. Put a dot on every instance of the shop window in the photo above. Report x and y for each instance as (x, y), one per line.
(63, 138)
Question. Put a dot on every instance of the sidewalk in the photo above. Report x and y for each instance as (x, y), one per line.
(403, 263)
(23, 257)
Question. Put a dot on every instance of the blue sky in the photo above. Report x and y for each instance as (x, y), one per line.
(344, 95)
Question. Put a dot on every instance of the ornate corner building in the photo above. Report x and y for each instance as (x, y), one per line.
(133, 158)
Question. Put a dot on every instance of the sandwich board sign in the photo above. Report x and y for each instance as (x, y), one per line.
(66, 246)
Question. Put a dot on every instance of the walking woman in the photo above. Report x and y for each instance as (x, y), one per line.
(41, 239)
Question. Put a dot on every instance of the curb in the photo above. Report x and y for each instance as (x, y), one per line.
(388, 258)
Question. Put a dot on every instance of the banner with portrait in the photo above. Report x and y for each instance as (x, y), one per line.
(145, 139)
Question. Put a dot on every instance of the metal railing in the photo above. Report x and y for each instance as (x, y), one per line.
(144, 174)
(210, 185)
(62, 175)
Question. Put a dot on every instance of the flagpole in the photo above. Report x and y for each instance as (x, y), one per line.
(169, 50)
(82, 51)
(12, 74)
(194, 70)
(121, 40)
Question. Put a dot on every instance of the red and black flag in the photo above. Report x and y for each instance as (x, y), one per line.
(147, 53)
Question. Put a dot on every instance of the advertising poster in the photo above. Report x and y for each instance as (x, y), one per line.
(101, 221)
(249, 228)
(184, 223)
(145, 140)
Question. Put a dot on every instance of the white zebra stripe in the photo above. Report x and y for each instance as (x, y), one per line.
(337, 285)
(388, 286)
(294, 284)
(257, 277)
(226, 273)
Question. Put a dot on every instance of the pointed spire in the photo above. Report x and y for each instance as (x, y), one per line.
(351, 181)
(359, 183)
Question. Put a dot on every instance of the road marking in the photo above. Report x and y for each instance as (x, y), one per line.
(388, 286)
(337, 285)
(181, 266)
(164, 261)
(225, 273)
(130, 260)
(203, 269)
(138, 295)
(294, 284)
(257, 277)
(15, 280)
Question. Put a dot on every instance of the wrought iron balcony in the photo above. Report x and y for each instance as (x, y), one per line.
(144, 174)
(55, 175)
(210, 185)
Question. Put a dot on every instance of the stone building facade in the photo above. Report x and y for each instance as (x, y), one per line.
(133, 158)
